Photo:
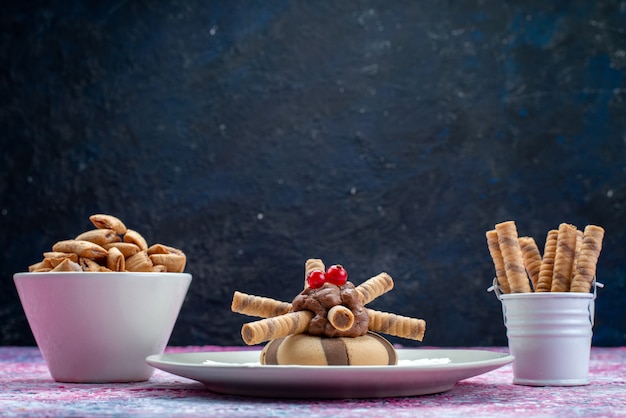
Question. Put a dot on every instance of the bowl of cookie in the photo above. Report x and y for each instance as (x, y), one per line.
(100, 303)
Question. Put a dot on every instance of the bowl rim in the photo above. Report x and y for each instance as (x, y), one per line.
(103, 274)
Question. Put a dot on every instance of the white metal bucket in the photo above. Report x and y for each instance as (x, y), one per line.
(549, 333)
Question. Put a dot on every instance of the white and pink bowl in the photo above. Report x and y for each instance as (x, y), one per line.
(100, 327)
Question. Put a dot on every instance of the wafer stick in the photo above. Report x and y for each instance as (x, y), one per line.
(532, 258)
(258, 306)
(544, 284)
(340, 317)
(266, 307)
(399, 326)
(498, 261)
(374, 287)
(564, 258)
(587, 259)
(579, 246)
(512, 255)
(310, 265)
(276, 327)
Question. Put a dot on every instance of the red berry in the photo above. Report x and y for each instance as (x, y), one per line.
(316, 279)
(337, 275)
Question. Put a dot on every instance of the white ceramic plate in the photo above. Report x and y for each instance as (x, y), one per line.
(238, 373)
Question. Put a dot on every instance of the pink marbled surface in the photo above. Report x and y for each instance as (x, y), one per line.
(26, 389)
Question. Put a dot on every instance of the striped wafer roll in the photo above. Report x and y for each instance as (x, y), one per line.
(498, 261)
(258, 306)
(544, 284)
(532, 258)
(512, 255)
(579, 246)
(276, 327)
(564, 258)
(340, 317)
(310, 265)
(399, 326)
(374, 287)
(587, 259)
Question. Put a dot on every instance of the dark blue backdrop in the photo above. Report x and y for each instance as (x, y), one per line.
(386, 136)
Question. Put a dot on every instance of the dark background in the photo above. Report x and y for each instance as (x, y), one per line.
(385, 136)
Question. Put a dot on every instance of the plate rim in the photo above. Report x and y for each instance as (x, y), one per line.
(349, 382)
(503, 357)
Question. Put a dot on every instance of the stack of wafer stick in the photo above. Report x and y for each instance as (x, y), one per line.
(280, 321)
(568, 263)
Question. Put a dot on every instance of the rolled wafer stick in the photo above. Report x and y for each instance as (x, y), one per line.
(512, 255)
(579, 246)
(374, 287)
(258, 306)
(544, 284)
(564, 258)
(310, 265)
(399, 326)
(340, 317)
(532, 258)
(276, 327)
(498, 261)
(587, 259)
